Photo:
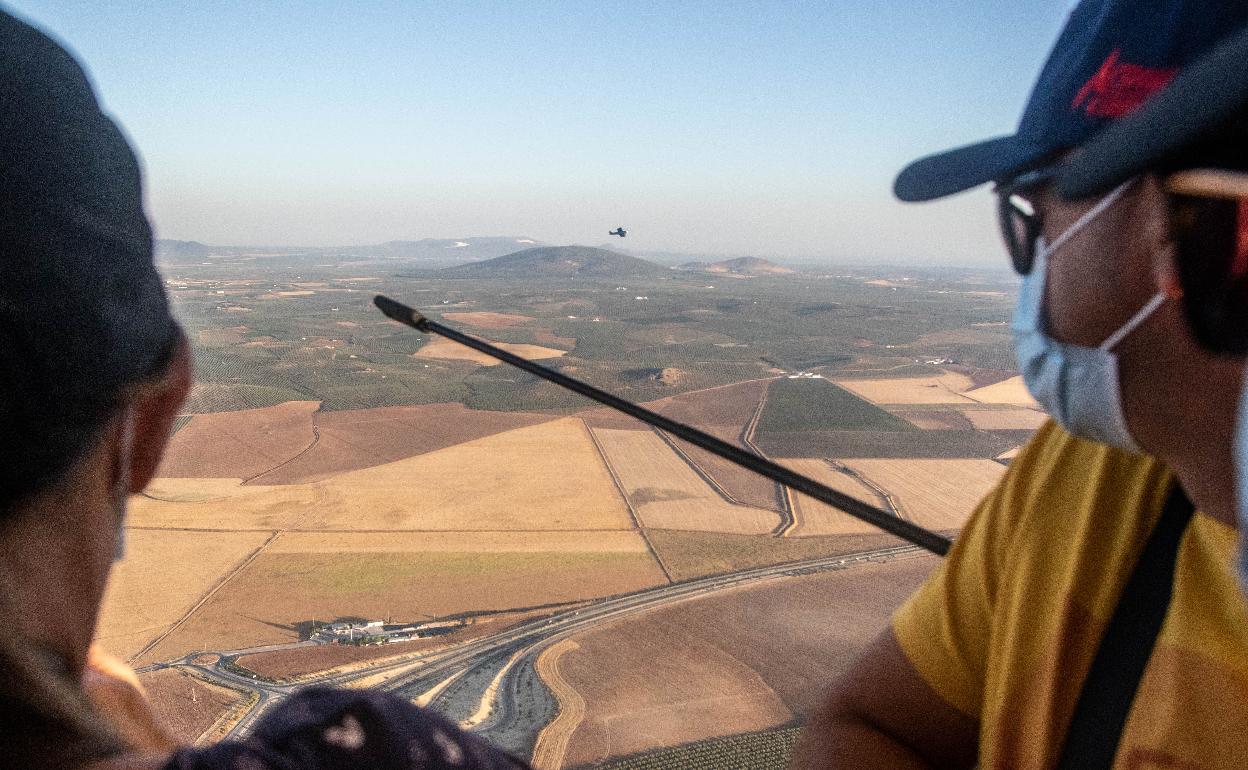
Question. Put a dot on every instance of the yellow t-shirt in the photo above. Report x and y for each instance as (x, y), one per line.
(1006, 628)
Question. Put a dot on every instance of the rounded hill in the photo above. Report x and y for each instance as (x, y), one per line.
(554, 261)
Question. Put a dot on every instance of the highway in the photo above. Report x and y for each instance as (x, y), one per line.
(482, 683)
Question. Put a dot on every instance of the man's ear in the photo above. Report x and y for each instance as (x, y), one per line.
(1158, 236)
(155, 406)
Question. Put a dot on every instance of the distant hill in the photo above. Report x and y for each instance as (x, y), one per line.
(180, 251)
(556, 261)
(738, 266)
(451, 249)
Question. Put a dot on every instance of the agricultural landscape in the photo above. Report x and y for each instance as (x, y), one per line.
(605, 595)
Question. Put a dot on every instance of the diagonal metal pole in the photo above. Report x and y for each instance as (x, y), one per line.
(924, 538)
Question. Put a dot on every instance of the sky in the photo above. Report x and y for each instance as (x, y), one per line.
(732, 128)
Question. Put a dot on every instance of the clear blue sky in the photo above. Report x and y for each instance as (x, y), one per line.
(769, 128)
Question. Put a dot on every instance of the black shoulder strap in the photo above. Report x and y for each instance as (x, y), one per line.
(1101, 711)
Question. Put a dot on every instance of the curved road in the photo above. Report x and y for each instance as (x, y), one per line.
(503, 659)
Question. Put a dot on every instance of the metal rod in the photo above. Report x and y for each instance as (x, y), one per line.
(924, 538)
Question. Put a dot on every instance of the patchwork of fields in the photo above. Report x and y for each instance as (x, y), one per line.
(290, 514)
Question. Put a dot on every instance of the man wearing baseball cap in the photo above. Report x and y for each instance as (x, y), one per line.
(1088, 614)
(93, 370)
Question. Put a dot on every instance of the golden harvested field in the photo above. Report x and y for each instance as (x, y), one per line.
(1009, 455)
(1005, 419)
(937, 494)
(278, 594)
(944, 388)
(469, 486)
(748, 659)
(818, 518)
(667, 493)
(487, 320)
(239, 444)
(185, 705)
(592, 541)
(445, 349)
(1011, 391)
(354, 439)
(163, 575)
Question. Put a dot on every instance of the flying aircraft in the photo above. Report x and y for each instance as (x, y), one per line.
(620, 231)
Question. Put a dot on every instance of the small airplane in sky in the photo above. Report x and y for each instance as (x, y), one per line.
(620, 231)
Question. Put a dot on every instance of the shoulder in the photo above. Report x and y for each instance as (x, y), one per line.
(1062, 490)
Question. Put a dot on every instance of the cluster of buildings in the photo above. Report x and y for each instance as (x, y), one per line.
(381, 632)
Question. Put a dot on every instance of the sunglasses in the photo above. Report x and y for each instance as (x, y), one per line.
(1019, 219)
(1209, 222)
(1209, 225)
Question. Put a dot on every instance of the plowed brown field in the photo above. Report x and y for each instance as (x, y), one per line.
(667, 493)
(350, 440)
(934, 420)
(239, 444)
(747, 660)
(185, 705)
(487, 320)
(694, 554)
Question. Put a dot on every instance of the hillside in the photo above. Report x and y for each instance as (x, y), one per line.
(180, 251)
(558, 261)
(451, 249)
(738, 266)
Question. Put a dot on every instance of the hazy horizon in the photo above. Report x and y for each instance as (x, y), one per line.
(709, 129)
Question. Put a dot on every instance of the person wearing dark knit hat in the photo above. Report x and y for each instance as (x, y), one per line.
(1088, 614)
(93, 370)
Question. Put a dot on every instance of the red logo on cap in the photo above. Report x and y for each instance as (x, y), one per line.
(1119, 88)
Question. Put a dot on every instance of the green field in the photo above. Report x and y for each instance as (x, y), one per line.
(797, 406)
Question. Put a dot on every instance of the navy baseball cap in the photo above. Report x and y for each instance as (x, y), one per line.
(1200, 119)
(83, 312)
(1111, 58)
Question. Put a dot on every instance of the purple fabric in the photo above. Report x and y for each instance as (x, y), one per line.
(349, 729)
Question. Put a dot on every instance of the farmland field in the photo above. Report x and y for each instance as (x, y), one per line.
(1005, 419)
(277, 596)
(163, 575)
(667, 493)
(469, 486)
(694, 554)
(439, 347)
(747, 660)
(240, 444)
(818, 518)
(814, 405)
(354, 439)
(1011, 391)
(944, 388)
(937, 494)
(187, 706)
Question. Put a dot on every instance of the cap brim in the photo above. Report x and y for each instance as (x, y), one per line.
(957, 170)
(1202, 99)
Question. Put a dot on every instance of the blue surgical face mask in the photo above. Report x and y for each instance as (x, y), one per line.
(1077, 385)
(1241, 483)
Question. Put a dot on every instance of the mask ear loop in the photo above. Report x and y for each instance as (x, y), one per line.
(1110, 199)
(1131, 325)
